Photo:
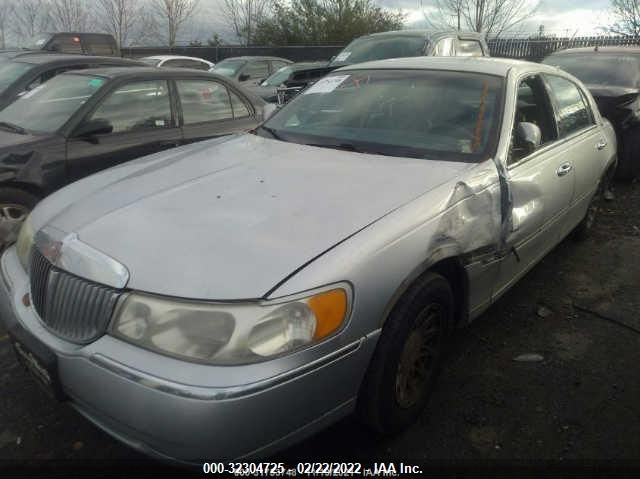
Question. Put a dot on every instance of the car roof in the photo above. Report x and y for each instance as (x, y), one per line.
(175, 57)
(144, 71)
(70, 59)
(631, 49)
(487, 65)
(257, 58)
(426, 33)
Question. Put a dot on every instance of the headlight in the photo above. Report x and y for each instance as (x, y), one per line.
(25, 242)
(230, 333)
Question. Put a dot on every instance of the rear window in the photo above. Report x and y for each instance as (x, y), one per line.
(379, 48)
(469, 48)
(600, 68)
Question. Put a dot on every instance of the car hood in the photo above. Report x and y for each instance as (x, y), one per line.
(231, 219)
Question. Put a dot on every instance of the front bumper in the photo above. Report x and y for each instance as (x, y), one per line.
(192, 412)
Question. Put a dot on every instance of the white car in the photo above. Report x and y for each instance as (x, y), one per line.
(176, 61)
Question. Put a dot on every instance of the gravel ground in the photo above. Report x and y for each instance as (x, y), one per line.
(578, 309)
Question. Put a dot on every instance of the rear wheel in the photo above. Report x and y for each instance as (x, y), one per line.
(408, 356)
(15, 205)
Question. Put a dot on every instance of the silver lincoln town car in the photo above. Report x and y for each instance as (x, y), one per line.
(225, 299)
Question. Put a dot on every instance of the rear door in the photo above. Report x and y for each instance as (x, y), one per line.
(585, 145)
(208, 108)
(143, 121)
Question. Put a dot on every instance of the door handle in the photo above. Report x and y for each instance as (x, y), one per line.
(564, 169)
(601, 144)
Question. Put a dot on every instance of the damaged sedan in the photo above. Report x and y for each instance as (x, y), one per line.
(331, 254)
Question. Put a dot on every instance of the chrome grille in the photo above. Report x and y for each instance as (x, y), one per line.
(74, 308)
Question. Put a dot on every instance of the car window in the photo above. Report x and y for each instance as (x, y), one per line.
(469, 48)
(533, 106)
(11, 71)
(228, 68)
(204, 100)
(571, 109)
(240, 109)
(376, 47)
(98, 45)
(423, 114)
(137, 106)
(279, 77)
(49, 106)
(445, 48)
(615, 69)
(277, 64)
(65, 44)
(256, 70)
(154, 62)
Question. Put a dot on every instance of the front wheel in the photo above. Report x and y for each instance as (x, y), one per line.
(407, 359)
(15, 205)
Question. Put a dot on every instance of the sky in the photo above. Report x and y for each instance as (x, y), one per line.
(562, 17)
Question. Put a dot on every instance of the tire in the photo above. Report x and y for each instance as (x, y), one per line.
(401, 374)
(15, 205)
(585, 227)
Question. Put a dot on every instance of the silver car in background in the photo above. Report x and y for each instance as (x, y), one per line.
(225, 299)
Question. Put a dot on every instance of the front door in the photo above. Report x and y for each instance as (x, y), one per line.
(541, 185)
(140, 114)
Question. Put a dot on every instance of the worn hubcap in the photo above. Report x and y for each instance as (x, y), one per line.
(418, 359)
(11, 217)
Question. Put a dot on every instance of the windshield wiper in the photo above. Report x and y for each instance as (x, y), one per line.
(339, 146)
(11, 127)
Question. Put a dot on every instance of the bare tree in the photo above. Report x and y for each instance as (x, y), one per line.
(70, 15)
(126, 20)
(6, 11)
(487, 16)
(627, 14)
(243, 16)
(174, 13)
(30, 17)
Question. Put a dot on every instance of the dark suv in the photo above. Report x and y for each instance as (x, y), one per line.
(76, 42)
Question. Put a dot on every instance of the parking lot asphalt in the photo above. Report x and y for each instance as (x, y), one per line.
(573, 398)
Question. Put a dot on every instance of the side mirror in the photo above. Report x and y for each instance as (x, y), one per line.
(528, 137)
(93, 127)
(243, 77)
(268, 110)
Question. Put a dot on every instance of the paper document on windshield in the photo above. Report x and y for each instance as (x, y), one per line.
(326, 84)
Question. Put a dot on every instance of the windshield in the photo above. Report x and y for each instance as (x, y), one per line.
(379, 48)
(49, 106)
(601, 68)
(154, 62)
(38, 41)
(228, 68)
(12, 71)
(279, 77)
(410, 113)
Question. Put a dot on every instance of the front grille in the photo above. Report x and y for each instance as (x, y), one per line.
(74, 308)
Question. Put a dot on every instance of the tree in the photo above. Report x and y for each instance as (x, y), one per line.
(70, 15)
(486, 16)
(6, 11)
(243, 16)
(174, 13)
(124, 19)
(324, 22)
(30, 17)
(627, 14)
(215, 40)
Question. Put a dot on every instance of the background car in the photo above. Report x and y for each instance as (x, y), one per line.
(290, 79)
(314, 268)
(175, 61)
(249, 71)
(612, 75)
(76, 42)
(25, 72)
(406, 43)
(84, 121)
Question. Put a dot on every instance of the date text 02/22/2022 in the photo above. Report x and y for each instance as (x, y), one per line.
(275, 469)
